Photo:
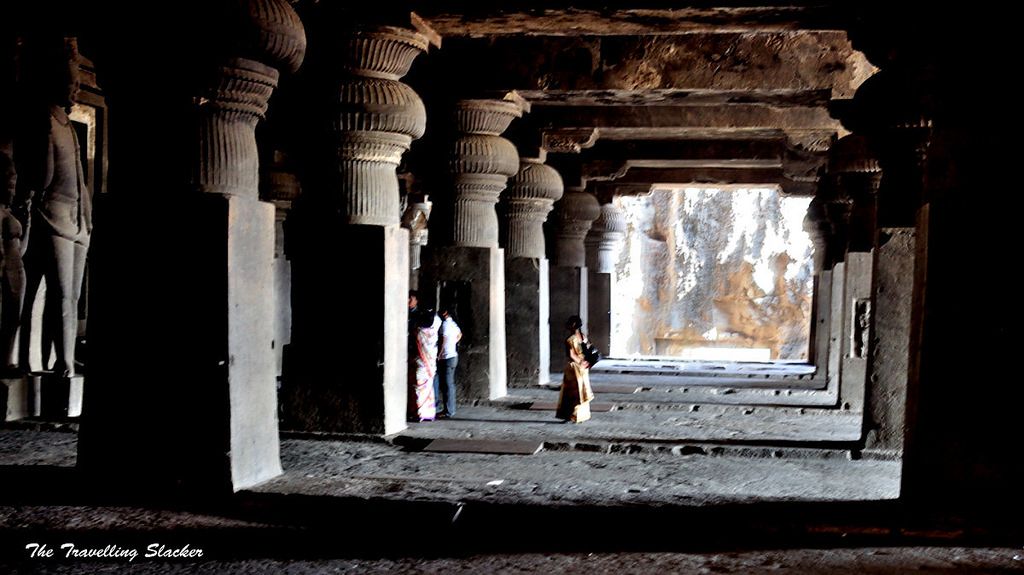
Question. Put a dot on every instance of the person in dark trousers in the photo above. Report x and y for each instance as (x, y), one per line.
(447, 362)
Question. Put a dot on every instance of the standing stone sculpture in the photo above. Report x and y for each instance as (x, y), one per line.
(12, 269)
(59, 221)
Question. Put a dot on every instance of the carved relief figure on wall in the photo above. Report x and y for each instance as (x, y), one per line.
(53, 192)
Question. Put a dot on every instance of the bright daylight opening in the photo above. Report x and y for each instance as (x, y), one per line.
(713, 274)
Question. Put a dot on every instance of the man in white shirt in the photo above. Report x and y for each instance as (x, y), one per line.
(447, 361)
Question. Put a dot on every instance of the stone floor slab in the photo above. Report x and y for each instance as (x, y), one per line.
(493, 446)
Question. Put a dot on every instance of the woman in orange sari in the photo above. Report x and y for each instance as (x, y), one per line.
(576, 394)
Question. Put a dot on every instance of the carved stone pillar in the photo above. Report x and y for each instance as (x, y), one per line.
(895, 120)
(280, 186)
(415, 219)
(465, 265)
(574, 214)
(481, 163)
(817, 227)
(531, 195)
(856, 175)
(603, 242)
(349, 218)
(569, 225)
(185, 382)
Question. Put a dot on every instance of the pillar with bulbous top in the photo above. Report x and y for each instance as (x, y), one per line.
(531, 195)
(464, 264)
(569, 224)
(193, 402)
(347, 364)
(603, 242)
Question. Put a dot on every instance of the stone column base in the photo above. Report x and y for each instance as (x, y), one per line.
(56, 396)
(14, 397)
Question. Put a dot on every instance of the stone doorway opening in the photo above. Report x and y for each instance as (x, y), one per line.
(721, 273)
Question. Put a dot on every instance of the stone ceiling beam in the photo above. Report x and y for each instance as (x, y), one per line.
(732, 116)
(646, 178)
(780, 67)
(544, 18)
(780, 98)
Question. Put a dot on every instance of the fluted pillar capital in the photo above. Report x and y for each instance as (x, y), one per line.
(605, 238)
(372, 118)
(531, 195)
(572, 218)
(261, 36)
(480, 163)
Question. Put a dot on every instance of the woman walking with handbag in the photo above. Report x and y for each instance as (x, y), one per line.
(575, 396)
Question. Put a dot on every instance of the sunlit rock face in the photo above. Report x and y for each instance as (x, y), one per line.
(703, 270)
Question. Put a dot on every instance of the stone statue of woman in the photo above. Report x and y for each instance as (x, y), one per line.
(51, 180)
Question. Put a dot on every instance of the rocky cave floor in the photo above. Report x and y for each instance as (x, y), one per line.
(649, 486)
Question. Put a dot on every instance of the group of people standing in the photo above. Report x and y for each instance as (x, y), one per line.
(433, 359)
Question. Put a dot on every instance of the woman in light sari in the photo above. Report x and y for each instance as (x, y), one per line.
(575, 396)
(427, 325)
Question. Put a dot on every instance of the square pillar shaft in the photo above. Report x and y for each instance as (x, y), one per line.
(346, 365)
(568, 297)
(856, 330)
(822, 322)
(527, 313)
(473, 279)
(599, 310)
(181, 386)
(835, 328)
(889, 362)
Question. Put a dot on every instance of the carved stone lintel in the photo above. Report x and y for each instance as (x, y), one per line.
(531, 195)
(570, 140)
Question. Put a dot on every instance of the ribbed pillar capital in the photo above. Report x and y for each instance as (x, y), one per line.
(531, 194)
(573, 216)
(480, 163)
(374, 118)
(261, 36)
(855, 170)
(605, 238)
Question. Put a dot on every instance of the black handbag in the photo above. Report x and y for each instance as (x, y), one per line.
(591, 353)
